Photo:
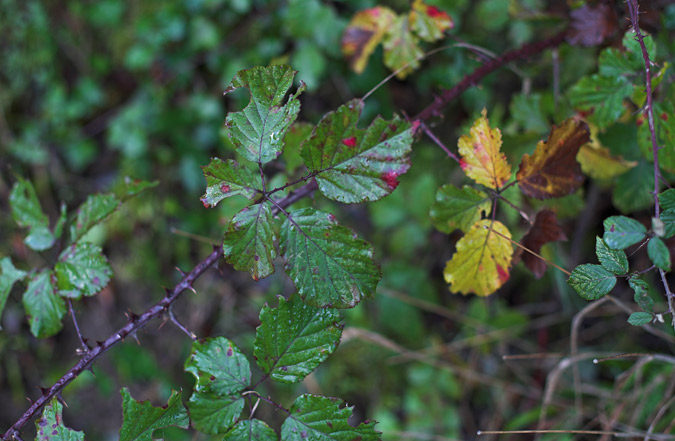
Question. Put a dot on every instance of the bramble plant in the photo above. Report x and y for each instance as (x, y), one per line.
(349, 159)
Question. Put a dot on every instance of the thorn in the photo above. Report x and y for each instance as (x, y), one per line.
(90, 368)
(59, 397)
(168, 292)
(17, 436)
(99, 343)
(192, 289)
(135, 337)
(30, 401)
(182, 273)
(131, 316)
(44, 390)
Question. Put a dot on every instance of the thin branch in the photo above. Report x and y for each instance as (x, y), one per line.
(438, 142)
(527, 50)
(83, 341)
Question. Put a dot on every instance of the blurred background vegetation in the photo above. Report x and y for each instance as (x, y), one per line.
(94, 91)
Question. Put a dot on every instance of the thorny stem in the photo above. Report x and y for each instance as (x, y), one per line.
(137, 322)
(435, 108)
(634, 12)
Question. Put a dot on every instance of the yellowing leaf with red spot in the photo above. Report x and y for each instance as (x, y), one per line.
(402, 52)
(552, 170)
(482, 160)
(482, 260)
(598, 162)
(428, 21)
(363, 33)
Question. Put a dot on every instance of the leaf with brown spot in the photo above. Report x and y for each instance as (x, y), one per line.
(552, 170)
(544, 230)
(591, 25)
(364, 32)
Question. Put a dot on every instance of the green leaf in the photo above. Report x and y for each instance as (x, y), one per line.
(218, 366)
(357, 165)
(458, 208)
(141, 419)
(604, 95)
(8, 276)
(591, 281)
(639, 318)
(26, 209)
(212, 413)
(622, 232)
(250, 430)
(133, 187)
(612, 260)
(316, 418)
(258, 131)
(658, 253)
(613, 62)
(641, 297)
(96, 208)
(61, 221)
(664, 126)
(82, 270)
(634, 51)
(27, 213)
(228, 178)
(401, 48)
(294, 338)
(50, 426)
(44, 308)
(249, 241)
(668, 219)
(667, 199)
(632, 191)
(328, 264)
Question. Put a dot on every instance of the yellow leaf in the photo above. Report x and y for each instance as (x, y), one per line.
(597, 161)
(481, 159)
(363, 33)
(482, 260)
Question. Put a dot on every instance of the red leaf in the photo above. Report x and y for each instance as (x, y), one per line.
(544, 230)
(552, 171)
(591, 25)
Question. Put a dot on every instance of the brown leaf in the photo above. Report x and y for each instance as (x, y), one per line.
(591, 25)
(544, 230)
(552, 171)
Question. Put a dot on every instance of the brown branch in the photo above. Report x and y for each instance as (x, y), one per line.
(527, 50)
(137, 322)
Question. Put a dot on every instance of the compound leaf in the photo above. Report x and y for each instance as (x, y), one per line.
(428, 22)
(603, 95)
(50, 426)
(218, 366)
(363, 33)
(639, 318)
(544, 230)
(249, 241)
(44, 308)
(82, 270)
(329, 265)
(612, 260)
(27, 212)
(294, 338)
(482, 159)
(96, 208)
(8, 277)
(257, 132)
(591, 281)
(141, 419)
(212, 413)
(317, 418)
(458, 208)
(622, 232)
(228, 178)
(658, 253)
(481, 262)
(552, 170)
(250, 430)
(356, 165)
